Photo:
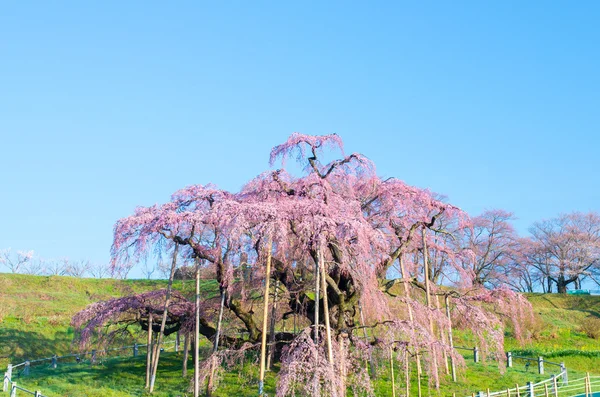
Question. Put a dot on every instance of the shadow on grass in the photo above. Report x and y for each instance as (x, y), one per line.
(18, 345)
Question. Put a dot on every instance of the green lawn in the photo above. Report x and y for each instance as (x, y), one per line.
(35, 313)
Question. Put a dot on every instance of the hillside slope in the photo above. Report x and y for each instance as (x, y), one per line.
(35, 312)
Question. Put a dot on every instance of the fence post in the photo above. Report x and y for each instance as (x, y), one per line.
(541, 365)
(13, 389)
(93, 358)
(563, 369)
(37, 394)
(530, 387)
(26, 369)
(480, 394)
(7, 377)
(135, 350)
(554, 386)
(54, 361)
(476, 354)
(509, 359)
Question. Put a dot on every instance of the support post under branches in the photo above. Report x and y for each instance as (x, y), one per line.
(164, 319)
(263, 345)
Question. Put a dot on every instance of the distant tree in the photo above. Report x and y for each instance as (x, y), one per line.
(55, 267)
(99, 270)
(35, 266)
(492, 241)
(76, 268)
(16, 262)
(566, 249)
(149, 268)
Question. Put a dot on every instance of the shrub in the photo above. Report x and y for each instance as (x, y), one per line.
(591, 327)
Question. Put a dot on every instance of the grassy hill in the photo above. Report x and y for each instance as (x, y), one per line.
(35, 312)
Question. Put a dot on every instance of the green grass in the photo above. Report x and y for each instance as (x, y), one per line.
(35, 313)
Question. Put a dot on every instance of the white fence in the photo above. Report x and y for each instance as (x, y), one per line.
(557, 385)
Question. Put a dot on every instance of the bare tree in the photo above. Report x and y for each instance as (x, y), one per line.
(35, 266)
(149, 269)
(17, 262)
(76, 268)
(99, 271)
(54, 268)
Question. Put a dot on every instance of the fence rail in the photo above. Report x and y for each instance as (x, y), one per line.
(556, 386)
(10, 385)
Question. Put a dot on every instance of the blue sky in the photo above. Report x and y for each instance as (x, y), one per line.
(105, 106)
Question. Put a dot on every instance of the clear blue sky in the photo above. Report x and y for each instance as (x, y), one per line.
(108, 105)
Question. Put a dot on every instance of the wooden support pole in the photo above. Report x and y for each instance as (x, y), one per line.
(443, 336)
(588, 386)
(317, 300)
(197, 339)
(428, 293)
(149, 350)
(271, 349)
(325, 307)
(392, 371)
(410, 316)
(450, 340)
(156, 356)
(263, 345)
(342, 359)
(406, 373)
(186, 354)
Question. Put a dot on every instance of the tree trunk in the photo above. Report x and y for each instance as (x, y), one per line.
(156, 357)
(561, 285)
(263, 346)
